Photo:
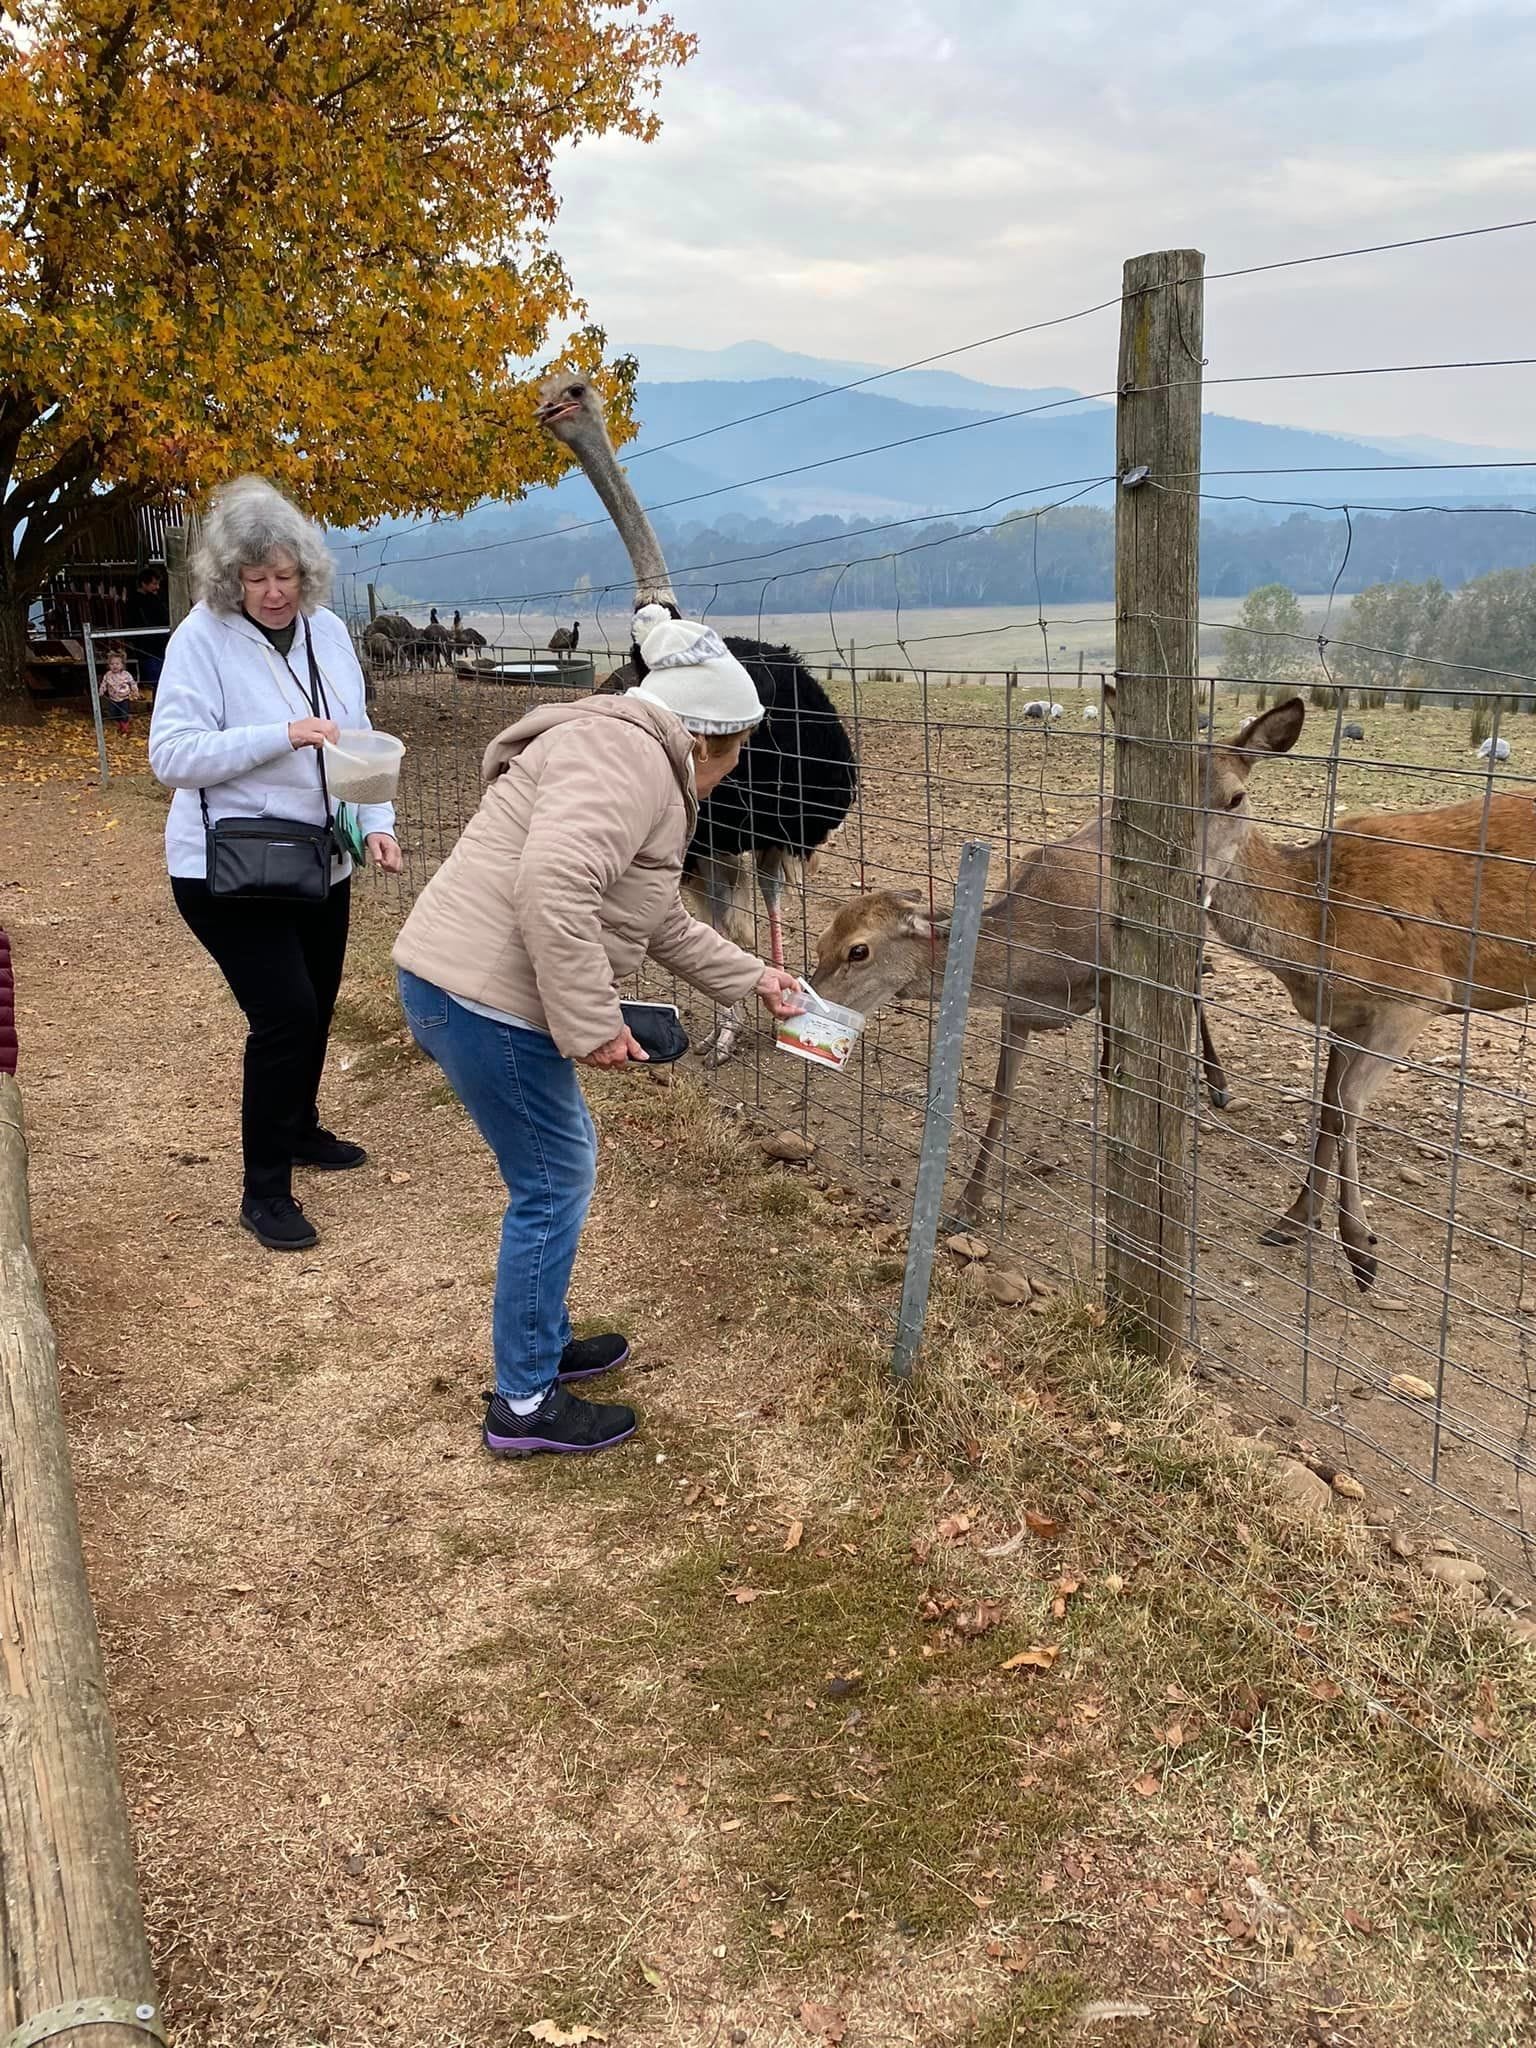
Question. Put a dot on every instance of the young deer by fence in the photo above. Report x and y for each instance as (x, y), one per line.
(1043, 959)
(1391, 919)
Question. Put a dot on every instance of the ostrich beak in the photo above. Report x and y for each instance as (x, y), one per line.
(555, 411)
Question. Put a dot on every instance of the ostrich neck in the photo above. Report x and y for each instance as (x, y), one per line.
(652, 583)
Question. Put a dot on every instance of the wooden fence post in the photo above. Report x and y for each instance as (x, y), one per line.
(71, 1930)
(1154, 832)
(178, 592)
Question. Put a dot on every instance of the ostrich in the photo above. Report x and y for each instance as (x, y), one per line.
(565, 639)
(797, 779)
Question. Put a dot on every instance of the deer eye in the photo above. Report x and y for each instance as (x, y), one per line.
(1234, 801)
(858, 953)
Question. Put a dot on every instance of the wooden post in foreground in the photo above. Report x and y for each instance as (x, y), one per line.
(71, 1929)
(1154, 833)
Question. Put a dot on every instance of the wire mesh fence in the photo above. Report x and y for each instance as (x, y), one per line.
(1422, 1383)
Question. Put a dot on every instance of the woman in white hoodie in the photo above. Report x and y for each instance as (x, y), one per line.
(240, 715)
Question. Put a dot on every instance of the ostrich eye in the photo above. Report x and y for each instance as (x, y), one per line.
(858, 953)
(578, 391)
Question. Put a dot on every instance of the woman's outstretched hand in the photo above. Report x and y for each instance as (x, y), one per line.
(384, 851)
(618, 1052)
(779, 992)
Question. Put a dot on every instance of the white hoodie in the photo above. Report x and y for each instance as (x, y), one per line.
(223, 706)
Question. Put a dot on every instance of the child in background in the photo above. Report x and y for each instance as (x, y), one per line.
(119, 691)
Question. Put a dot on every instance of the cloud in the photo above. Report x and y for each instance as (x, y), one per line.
(881, 181)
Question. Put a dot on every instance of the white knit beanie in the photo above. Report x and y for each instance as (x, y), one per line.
(693, 674)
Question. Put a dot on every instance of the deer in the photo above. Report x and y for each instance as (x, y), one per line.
(1384, 923)
(1043, 958)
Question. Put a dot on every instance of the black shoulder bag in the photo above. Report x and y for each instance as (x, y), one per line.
(279, 860)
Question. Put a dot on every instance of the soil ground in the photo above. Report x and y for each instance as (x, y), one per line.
(1011, 1712)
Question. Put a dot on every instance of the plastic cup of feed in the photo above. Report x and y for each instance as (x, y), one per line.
(823, 1032)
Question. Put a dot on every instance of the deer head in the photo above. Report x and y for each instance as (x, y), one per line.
(876, 946)
(1226, 819)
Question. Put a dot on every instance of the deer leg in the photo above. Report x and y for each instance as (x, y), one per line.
(1010, 1053)
(1306, 1212)
(1392, 1037)
(1210, 1059)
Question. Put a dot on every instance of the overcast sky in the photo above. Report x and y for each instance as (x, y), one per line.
(885, 178)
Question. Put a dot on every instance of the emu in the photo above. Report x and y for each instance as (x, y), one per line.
(1043, 958)
(565, 639)
(797, 778)
(1389, 920)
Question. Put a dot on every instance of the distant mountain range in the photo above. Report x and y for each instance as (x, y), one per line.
(735, 437)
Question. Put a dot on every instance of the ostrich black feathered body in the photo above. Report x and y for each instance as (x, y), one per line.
(797, 778)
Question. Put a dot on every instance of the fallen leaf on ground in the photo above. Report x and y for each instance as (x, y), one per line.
(1039, 1523)
(977, 1620)
(1358, 1921)
(1038, 1658)
(1148, 1785)
(1410, 1384)
(953, 1528)
(652, 1975)
(793, 1534)
(745, 1595)
(556, 2036)
(824, 2020)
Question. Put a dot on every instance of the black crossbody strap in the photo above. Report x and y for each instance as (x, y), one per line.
(318, 703)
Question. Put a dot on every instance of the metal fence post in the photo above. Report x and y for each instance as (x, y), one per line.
(94, 687)
(943, 1094)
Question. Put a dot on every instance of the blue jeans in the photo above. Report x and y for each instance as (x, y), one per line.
(525, 1100)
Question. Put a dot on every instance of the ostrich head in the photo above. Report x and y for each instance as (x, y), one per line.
(571, 409)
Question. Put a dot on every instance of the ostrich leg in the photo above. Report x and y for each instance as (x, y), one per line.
(718, 878)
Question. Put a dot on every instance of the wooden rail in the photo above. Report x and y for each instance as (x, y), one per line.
(71, 1928)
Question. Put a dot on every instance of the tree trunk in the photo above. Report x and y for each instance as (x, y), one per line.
(15, 698)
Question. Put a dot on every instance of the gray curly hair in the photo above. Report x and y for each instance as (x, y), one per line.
(249, 521)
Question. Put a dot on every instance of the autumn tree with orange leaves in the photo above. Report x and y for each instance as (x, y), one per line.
(309, 238)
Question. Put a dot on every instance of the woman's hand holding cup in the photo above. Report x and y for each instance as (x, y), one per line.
(313, 732)
(779, 992)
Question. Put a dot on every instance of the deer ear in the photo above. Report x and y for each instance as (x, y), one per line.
(1274, 731)
(924, 925)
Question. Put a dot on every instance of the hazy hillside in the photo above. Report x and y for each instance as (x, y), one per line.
(720, 472)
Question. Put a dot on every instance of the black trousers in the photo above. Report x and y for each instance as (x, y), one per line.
(283, 964)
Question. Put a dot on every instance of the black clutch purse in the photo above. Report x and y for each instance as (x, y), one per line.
(282, 860)
(658, 1030)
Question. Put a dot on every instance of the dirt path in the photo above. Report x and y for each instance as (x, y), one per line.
(714, 1740)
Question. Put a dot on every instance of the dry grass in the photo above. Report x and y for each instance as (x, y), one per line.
(422, 1749)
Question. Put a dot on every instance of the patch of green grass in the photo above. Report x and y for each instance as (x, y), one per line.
(1037, 2012)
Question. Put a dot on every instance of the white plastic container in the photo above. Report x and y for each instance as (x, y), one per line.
(824, 1032)
(364, 767)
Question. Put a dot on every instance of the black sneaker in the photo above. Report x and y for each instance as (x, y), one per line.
(585, 1357)
(328, 1153)
(278, 1222)
(559, 1423)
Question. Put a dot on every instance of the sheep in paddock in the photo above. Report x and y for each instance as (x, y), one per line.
(1498, 750)
(1354, 731)
(1090, 714)
(1034, 708)
(1054, 710)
